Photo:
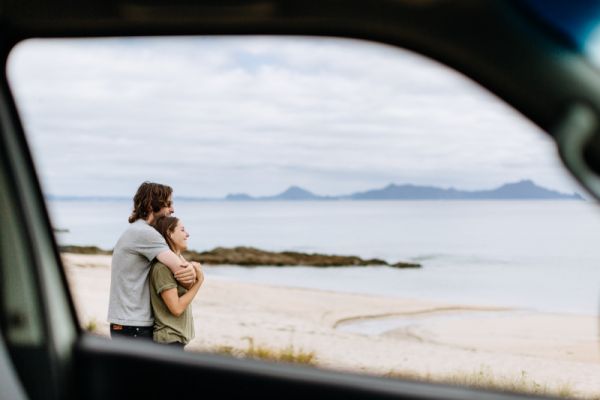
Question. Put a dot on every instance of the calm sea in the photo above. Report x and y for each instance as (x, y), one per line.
(540, 255)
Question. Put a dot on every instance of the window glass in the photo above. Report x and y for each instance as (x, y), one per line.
(21, 316)
(479, 268)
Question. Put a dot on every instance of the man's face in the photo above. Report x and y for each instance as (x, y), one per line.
(166, 211)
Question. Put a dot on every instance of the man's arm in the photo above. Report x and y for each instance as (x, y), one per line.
(183, 272)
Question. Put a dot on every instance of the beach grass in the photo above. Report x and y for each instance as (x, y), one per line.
(287, 354)
(91, 326)
(485, 379)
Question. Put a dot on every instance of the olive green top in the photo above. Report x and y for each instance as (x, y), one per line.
(167, 327)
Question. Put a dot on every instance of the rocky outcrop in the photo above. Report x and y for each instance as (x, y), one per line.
(249, 256)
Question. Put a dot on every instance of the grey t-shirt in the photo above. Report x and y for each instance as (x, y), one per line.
(129, 302)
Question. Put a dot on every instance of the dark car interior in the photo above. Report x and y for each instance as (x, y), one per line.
(515, 49)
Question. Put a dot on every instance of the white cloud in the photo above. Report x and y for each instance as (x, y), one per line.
(212, 116)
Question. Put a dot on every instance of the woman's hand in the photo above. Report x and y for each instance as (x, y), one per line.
(199, 273)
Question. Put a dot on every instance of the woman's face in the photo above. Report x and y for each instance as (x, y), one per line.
(179, 237)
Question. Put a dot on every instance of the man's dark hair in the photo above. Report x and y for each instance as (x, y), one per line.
(150, 197)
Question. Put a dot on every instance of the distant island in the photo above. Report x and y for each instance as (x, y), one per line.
(251, 257)
(522, 190)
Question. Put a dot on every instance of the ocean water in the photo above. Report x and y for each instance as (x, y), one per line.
(540, 255)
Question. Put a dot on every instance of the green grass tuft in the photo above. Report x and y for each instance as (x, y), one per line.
(91, 326)
(288, 354)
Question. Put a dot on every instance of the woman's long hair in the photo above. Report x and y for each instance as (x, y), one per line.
(150, 197)
(165, 226)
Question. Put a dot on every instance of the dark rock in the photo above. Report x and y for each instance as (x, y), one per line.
(250, 256)
(402, 264)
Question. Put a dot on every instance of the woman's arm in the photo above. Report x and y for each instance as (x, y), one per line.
(176, 304)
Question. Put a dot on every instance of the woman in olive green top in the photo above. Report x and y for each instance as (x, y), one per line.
(173, 322)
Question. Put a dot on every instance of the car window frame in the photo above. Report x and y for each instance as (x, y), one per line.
(442, 43)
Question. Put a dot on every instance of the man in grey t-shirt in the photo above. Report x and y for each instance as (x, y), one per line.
(129, 310)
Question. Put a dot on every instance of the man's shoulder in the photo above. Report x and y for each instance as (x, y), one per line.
(141, 228)
(139, 224)
(139, 236)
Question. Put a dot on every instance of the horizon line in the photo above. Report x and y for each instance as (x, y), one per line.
(324, 197)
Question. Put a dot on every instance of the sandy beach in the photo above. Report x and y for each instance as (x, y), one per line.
(374, 334)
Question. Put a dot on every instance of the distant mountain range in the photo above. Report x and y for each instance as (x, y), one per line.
(522, 190)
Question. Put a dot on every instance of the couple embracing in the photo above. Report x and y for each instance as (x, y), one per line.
(152, 285)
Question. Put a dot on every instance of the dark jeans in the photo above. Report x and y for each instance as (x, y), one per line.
(135, 332)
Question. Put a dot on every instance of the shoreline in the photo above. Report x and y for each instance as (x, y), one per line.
(436, 339)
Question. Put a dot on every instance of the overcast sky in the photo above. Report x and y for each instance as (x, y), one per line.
(212, 116)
